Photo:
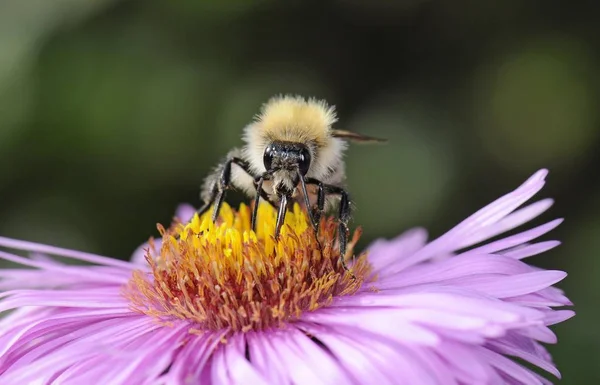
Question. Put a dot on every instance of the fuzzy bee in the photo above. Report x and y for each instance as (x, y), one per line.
(291, 154)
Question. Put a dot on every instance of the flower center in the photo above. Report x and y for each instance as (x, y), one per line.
(224, 275)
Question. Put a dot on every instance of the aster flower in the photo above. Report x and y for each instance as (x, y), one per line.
(219, 304)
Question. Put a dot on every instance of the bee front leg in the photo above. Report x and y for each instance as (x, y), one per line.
(220, 186)
(259, 188)
(209, 201)
(283, 206)
(260, 193)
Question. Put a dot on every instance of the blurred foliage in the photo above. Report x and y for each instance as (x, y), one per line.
(111, 113)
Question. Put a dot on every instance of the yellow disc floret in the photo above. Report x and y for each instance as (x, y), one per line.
(224, 275)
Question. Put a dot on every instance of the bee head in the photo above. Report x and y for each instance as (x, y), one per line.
(305, 126)
(284, 160)
(289, 156)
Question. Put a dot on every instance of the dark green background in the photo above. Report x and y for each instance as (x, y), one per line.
(111, 113)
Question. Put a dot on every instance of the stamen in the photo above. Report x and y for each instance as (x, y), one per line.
(224, 275)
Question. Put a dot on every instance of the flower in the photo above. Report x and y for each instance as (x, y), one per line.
(219, 304)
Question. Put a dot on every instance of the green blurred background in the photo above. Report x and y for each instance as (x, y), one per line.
(111, 113)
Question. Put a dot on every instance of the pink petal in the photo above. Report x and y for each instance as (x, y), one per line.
(516, 239)
(78, 345)
(85, 273)
(384, 254)
(34, 329)
(219, 371)
(558, 316)
(396, 363)
(139, 255)
(530, 250)
(456, 267)
(514, 285)
(509, 222)
(306, 362)
(153, 356)
(384, 322)
(261, 353)
(478, 222)
(79, 255)
(194, 358)
(509, 367)
(539, 332)
(240, 370)
(356, 359)
(527, 353)
(185, 212)
(534, 300)
(91, 298)
(452, 300)
(468, 367)
(432, 363)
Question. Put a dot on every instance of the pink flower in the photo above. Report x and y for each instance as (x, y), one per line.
(210, 308)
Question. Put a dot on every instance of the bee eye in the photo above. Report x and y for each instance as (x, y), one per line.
(304, 161)
(268, 158)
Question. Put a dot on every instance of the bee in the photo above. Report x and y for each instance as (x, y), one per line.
(291, 154)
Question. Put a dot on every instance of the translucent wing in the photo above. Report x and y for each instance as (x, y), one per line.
(356, 137)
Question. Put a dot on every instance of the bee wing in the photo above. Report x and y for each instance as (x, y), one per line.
(356, 137)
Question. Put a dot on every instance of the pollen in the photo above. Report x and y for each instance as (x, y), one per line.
(225, 275)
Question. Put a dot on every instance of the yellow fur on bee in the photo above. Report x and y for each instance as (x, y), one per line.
(293, 118)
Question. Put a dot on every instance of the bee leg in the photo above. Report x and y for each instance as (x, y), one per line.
(222, 185)
(260, 193)
(344, 218)
(320, 203)
(314, 221)
(318, 211)
(283, 205)
(343, 231)
(314, 215)
(265, 196)
(209, 202)
(259, 184)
